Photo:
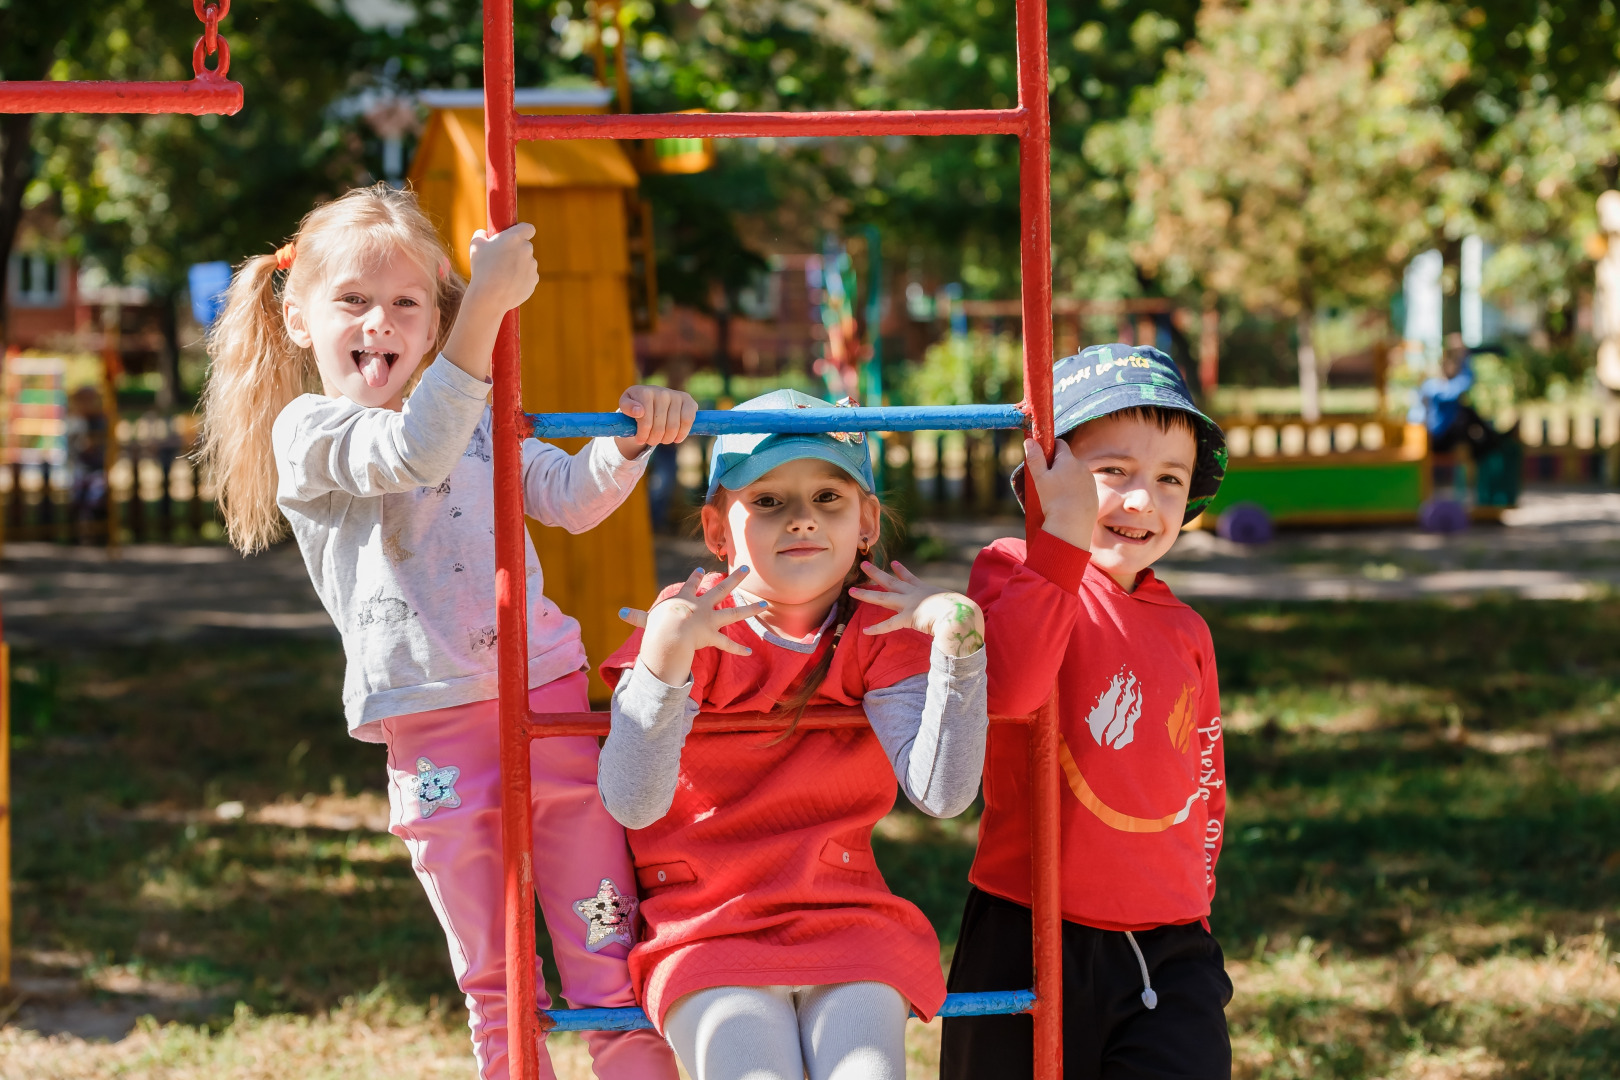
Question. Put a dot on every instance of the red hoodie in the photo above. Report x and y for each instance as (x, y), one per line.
(1144, 796)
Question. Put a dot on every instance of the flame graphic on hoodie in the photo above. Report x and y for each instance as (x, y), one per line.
(1113, 718)
(1181, 720)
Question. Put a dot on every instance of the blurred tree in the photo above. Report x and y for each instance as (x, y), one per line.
(143, 197)
(967, 369)
(1532, 192)
(30, 35)
(1538, 110)
(1293, 158)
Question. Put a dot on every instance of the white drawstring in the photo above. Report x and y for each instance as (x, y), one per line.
(1149, 998)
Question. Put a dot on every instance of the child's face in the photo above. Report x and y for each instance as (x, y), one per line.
(369, 327)
(798, 529)
(1142, 473)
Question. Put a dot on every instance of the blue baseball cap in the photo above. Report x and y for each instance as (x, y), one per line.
(1104, 379)
(737, 460)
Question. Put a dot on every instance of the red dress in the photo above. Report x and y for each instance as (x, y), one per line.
(761, 873)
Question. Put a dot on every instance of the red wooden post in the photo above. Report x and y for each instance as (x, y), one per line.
(511, 594)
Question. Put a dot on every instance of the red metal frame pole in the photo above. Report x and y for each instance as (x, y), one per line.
(511, 594)
(1035, 246)
(197, 97)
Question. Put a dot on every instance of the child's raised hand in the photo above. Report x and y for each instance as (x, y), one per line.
(662, 415)
(954, 621)
(504, 275)
(1068, 493)
(686, 622)
(504, 272)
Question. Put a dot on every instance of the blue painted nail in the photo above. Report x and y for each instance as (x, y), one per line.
(624, 611)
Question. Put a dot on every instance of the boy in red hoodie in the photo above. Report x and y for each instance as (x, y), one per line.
(1143, 807)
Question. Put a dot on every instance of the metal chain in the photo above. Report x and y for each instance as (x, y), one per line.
(212, 40)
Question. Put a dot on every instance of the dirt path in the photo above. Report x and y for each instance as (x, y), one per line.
(1559, 545)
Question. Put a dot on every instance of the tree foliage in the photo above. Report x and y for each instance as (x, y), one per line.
(1293, 158)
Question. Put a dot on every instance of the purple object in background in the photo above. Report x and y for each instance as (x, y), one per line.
(1442, 515)
(1244, 523)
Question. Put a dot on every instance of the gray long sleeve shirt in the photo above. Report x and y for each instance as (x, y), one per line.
(394, 513)
(932, 727)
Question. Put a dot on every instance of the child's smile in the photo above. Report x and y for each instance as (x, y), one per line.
(1135, 536)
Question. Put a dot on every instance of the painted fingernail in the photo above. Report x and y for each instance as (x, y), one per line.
(624, 612)
(747, 651)
(740, 570)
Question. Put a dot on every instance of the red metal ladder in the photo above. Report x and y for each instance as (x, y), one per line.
(1030, 123)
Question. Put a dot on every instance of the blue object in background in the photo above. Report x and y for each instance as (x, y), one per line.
(661, 483)
(208, 282)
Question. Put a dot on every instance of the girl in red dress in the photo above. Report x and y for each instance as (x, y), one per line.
(773, 948)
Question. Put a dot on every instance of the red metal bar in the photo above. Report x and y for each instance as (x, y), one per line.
(511, 594)
(197, 97)
(1035, 246)
(767, 125)
(555, 725)
(1046, 892)
(1031, 123)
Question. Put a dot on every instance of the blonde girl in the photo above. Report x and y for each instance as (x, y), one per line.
(349, 397)
(773, 949)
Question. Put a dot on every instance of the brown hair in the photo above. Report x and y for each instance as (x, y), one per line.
(1159, 416)
(257, 370)
(889, 525)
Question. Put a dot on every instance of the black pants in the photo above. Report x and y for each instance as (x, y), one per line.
(1467, 427)
(1108, 1033)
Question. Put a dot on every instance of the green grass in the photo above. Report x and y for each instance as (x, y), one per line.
(1420, 874)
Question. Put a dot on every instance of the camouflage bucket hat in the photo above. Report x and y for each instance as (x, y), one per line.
(1105, 379)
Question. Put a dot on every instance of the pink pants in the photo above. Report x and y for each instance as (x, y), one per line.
(444, 794)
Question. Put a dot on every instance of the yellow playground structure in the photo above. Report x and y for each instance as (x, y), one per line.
(576, 328)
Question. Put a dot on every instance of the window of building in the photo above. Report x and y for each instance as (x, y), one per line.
(36, 280)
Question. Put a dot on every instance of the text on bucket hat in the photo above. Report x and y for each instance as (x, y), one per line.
(1101, 380)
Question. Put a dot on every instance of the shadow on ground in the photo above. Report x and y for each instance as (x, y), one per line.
(1422, 851)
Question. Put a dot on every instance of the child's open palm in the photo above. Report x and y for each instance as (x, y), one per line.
(678, 626)
(955, 622)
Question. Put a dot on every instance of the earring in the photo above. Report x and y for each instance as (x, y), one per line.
(866, 545)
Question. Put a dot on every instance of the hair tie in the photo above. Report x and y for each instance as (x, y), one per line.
(444, 267)
(285, 254)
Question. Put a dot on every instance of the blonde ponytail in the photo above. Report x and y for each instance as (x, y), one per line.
(257, 370)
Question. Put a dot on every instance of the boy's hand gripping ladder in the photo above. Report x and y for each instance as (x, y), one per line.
(1029, 121)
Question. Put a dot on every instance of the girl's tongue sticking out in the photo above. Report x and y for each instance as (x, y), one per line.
(374, 365)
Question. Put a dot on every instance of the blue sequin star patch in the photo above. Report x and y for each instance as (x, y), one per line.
(608, 917)
(435, 788)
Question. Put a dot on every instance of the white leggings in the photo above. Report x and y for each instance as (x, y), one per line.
(844, 1031)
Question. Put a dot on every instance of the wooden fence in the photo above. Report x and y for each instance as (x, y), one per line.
(152, 493)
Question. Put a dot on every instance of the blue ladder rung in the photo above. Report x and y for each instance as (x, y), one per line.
(794, 421)
(987, 1003)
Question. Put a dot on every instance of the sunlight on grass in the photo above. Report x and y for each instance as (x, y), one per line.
(1310, 1012)
(369, 1038)
(1422, 848)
